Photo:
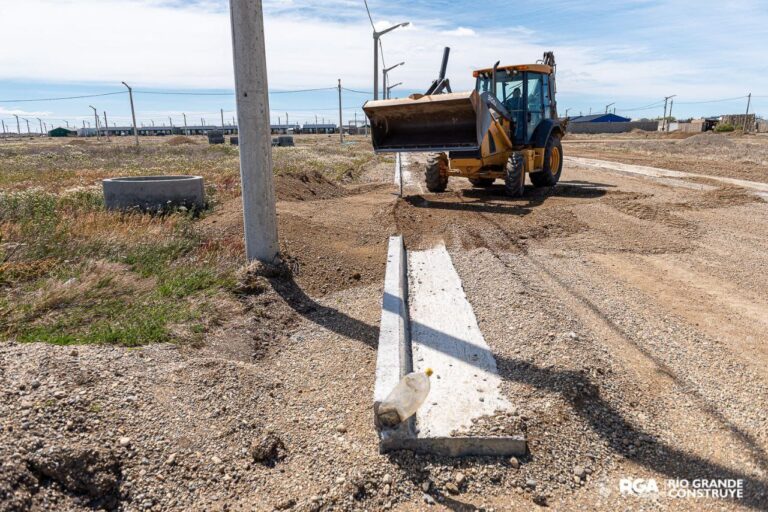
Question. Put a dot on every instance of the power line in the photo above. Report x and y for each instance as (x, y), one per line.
(64, 98)
(710, 101)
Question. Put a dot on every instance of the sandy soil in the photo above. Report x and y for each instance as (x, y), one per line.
(628, 317)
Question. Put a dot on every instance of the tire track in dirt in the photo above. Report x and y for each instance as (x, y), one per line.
(655, 374)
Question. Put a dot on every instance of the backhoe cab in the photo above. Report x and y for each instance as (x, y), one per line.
(504, 128)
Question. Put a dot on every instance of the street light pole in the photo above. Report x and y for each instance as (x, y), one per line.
(133, 114)
(392, 87)
(251, 87)
(384, 77)
(608, 106)
(376, 36)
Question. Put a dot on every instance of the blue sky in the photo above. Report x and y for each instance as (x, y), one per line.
(631, 52)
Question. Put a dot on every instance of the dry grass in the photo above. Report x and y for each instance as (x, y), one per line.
(72, 272)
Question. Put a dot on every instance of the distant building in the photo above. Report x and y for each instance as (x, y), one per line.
(319, 128)
(284, 129)
(600, 118)
(62, 132)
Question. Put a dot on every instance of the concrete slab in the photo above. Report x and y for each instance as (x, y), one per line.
(445, 337)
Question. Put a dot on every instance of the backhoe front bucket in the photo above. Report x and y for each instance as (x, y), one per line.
(440, 122)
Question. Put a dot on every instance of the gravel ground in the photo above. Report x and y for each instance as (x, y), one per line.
(627, 317)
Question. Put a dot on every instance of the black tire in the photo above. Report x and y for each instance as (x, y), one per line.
(550, 173)
(481, 182)
(437, 172)
(514, 179)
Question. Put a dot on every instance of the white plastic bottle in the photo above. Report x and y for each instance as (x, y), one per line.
(405, 399)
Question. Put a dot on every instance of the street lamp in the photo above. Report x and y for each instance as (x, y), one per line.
(384, 77)
(608, 106)
(376, 36)
(392, 87)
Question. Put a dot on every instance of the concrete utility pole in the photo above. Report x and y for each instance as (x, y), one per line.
(341, 123)
(67, 123)
(664, 119)
(749, 100)
(384, 77)
(29, 132)
(170, 122)
(96, 117)
(376, 36)
(222, 118)
(18, 126)
(252, 89)
(671, 104)
(186, 132)
(133, 115)
(106, 125)
(608, 106)
(41, 125)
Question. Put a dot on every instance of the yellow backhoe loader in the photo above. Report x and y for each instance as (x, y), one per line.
(506, 127)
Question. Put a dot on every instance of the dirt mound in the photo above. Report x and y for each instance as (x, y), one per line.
(180, 140)
(309, 186)
(708, 139)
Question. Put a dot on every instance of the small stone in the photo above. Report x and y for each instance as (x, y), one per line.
(74, 353)
(286, 504)
(387, 479)
(426, 485)
(125, 441)
(459, 478)
(573, 335)
(356, 276)
(215, 460)
(171, 460)
(429, 500)
(540, 500)
(340, 480)
(34, 384)
(514, 462)
(341, 429)
(580, 472)
(530, 483)
(452, 488)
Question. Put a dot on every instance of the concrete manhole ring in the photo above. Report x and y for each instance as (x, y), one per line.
(154, 192)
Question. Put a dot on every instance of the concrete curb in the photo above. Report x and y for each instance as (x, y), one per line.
(394, 360)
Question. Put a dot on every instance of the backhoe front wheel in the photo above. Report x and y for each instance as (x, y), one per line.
(437, 172)
(514, 178)
(549, 175)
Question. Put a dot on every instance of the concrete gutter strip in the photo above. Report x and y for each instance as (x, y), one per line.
(393, 358)
(467, 391)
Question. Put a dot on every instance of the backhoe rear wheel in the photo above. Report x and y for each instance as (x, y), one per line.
(553, 164)
(437, 172)
(481, 182)
(514, 179)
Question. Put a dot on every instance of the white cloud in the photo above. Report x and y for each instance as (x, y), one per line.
(6, 112)
(157, 43)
